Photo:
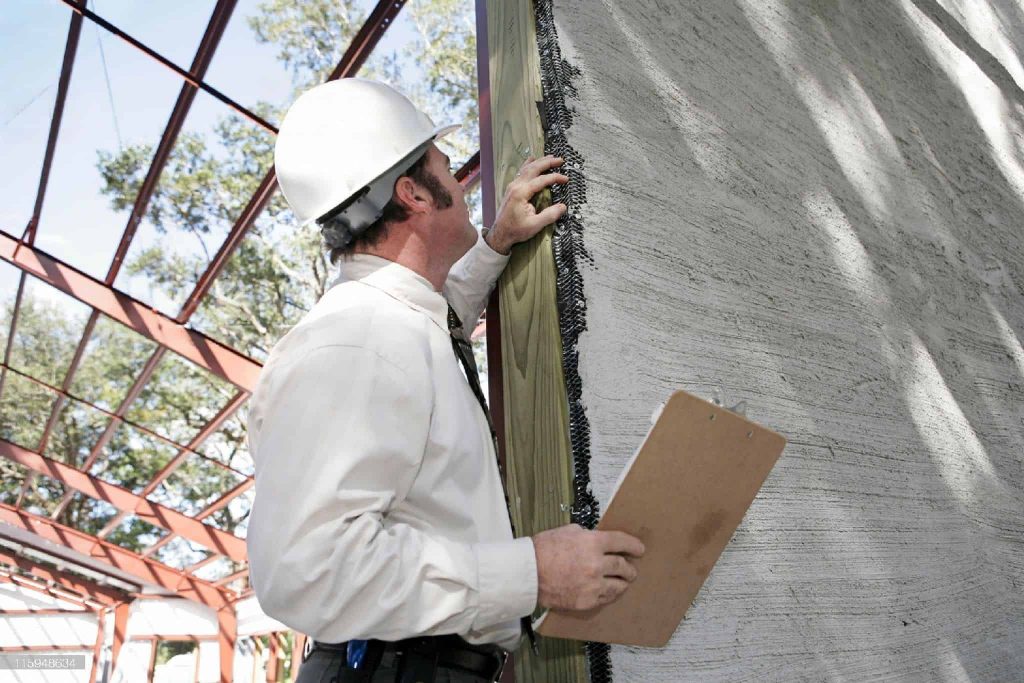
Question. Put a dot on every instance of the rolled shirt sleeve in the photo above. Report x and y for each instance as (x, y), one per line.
(338, 442)
(470, 282)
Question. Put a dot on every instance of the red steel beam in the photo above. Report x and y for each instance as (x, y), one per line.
(189, 78)
(231, 577)
(215, 423)
(196, 566)
(70, 49)
(63, 394)
(29, 477)
(247, 593)
(108, 431)
(211, 39)
(85, 603)
(84, 647)
(252, 210)
(208, 429)
(228, 496)
(380, 19)
(12, 330)
(212, 426)
(207, 353)
(106, 595)
(141, 568)
(121, 498)
(469, 174)
(213, 507)
(184, 450)
(207, 47)
(101, 624)
(227, 634)
(372, 30)
(120, 633)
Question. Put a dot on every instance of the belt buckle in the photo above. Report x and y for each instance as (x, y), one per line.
(502, 659)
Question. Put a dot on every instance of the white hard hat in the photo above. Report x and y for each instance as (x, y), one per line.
(346, 142)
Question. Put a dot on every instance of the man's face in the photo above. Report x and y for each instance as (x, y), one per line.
(453, 226)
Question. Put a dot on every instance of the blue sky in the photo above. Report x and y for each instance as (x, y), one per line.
(77, 225)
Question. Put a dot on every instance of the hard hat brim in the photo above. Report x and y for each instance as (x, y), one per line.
(444, 130)
(438, 133)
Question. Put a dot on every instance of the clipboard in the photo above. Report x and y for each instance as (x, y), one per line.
(683, 494)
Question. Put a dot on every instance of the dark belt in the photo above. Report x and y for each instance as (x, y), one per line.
(451, 651)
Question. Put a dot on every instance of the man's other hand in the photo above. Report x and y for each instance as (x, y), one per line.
(517, 220)
(579, 569)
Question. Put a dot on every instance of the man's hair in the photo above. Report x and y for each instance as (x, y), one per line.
(394, 212)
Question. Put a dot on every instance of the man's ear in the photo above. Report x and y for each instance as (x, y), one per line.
(409, 194)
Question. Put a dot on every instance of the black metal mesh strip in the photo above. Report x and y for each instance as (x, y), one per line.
(557, 78)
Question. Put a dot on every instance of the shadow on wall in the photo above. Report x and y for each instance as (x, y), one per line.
(842, 196)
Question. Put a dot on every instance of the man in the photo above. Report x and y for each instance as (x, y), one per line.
(379, 513)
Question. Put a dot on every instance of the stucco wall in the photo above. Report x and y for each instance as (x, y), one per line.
(819, 205)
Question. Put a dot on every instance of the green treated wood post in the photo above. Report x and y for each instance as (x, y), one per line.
(537, 449)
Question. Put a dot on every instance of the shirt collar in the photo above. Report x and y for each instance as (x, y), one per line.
(398, 282)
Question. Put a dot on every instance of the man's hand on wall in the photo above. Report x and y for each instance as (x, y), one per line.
(579, 569)
(517, 219)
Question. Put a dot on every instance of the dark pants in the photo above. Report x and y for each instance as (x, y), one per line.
(322, 666)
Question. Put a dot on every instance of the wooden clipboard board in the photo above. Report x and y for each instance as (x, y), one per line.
(683, 494)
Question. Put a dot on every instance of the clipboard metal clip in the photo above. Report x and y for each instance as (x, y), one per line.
(719, 399)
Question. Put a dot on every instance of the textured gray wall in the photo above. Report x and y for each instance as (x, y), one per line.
(821, 206)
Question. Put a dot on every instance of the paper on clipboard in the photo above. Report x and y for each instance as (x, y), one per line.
(683, 494)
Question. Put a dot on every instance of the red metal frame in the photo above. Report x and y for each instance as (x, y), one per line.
(169, 333)
(207, 353)
(211, 39)
(120, 633)
(121, 498)
(87, 604)
(210, 509)
(142, 568)
(70, 50)
(101, 624)
(63, 395)
(108, 431)
(469, 174)
(227, 635)
(189, 78)
(174, 463)
(231, 578)
(105, 595)
(12, 331)
(47, 648)
(185, 450)
(204, 55)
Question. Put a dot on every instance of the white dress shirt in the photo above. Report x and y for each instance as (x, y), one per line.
(379, 511)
